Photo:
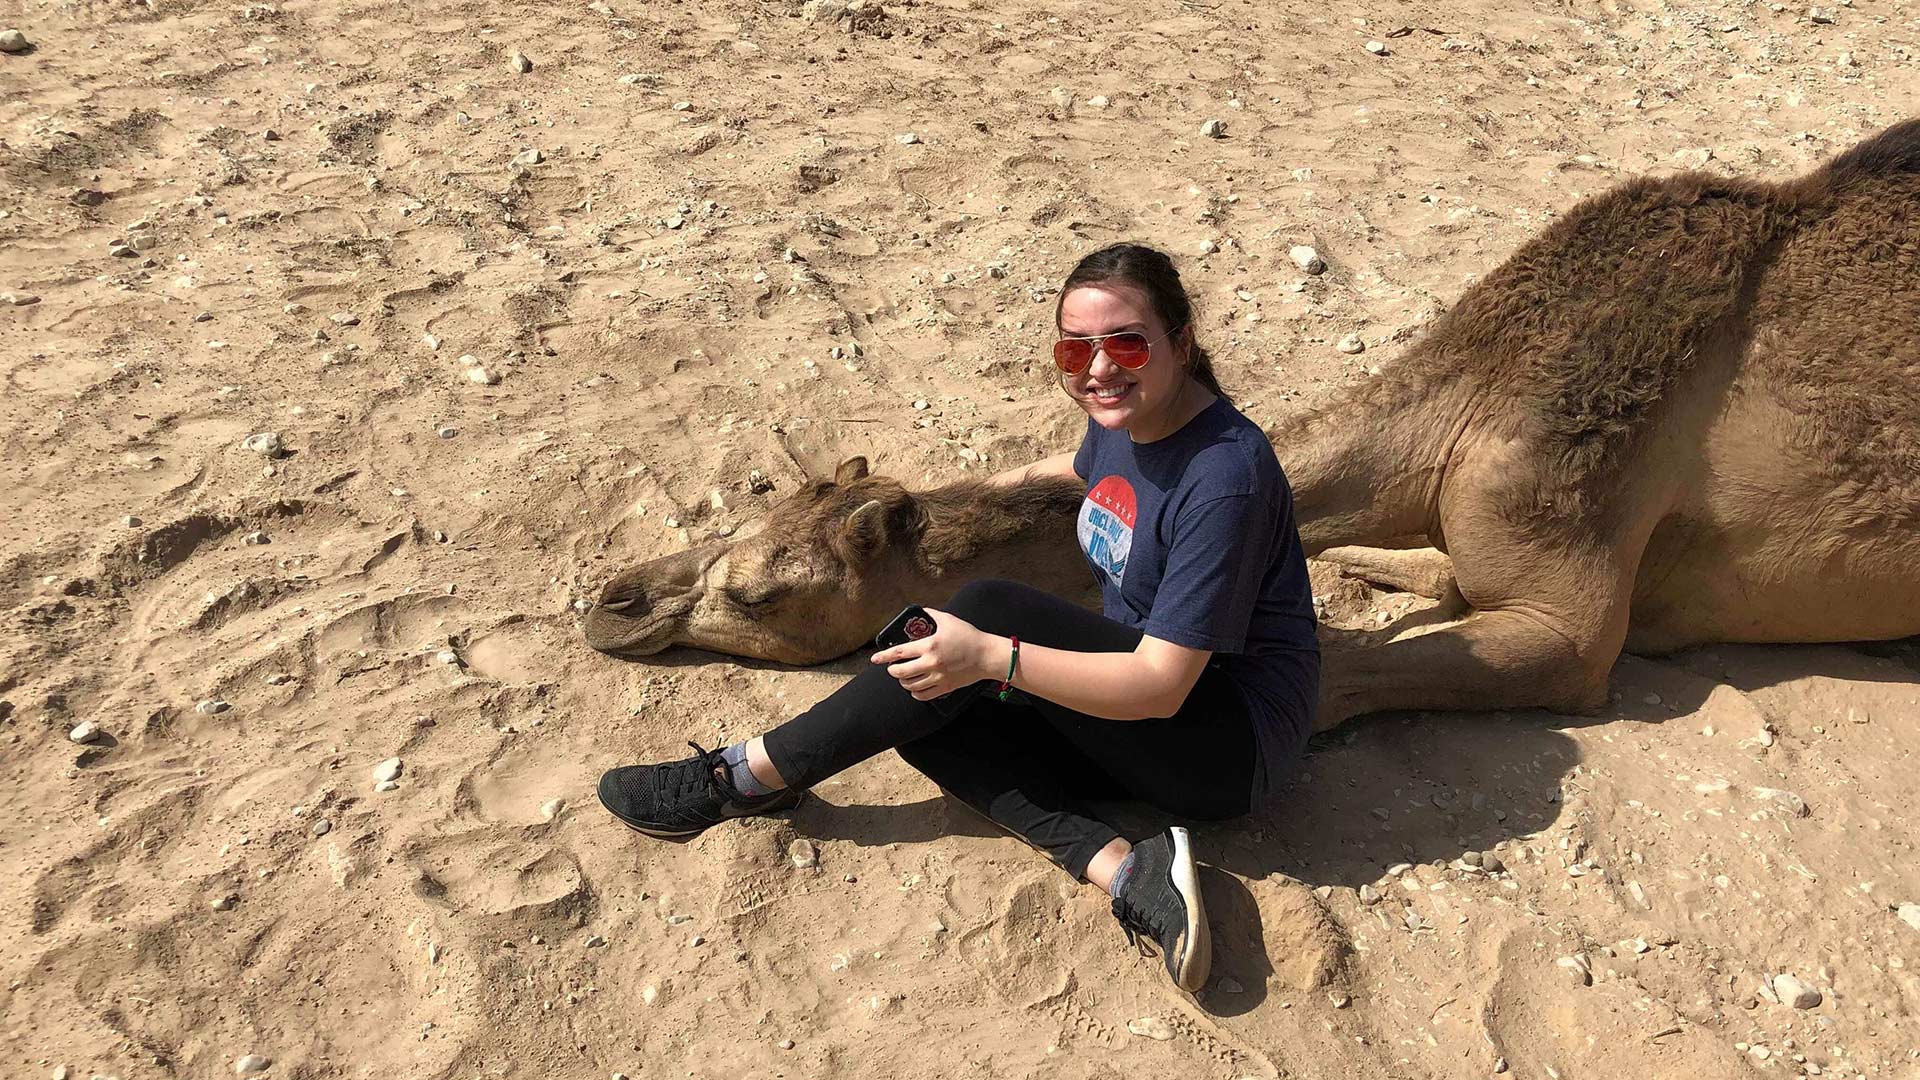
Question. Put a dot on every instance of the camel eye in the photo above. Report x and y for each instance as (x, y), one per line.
(756, 597)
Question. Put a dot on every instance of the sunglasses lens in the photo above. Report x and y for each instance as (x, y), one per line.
(1072, 357)
(1130, 351)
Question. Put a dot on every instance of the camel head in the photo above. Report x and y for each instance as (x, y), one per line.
(811, 580)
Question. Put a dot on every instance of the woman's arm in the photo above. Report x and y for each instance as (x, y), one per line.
(1151, 681)
(1060, 465)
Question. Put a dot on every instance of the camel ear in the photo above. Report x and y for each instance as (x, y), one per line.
(864, 534)
(854, 468)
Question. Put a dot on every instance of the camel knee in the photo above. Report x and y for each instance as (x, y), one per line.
(1569, 665)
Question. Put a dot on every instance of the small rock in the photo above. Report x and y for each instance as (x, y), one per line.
(551, 808)
(1214, 129)
(1369, 895)
(344, 318)
(921, 405)
(447, 432)
(270, 135)
(649, 994)
(1816, 16)
(252, 1063)
(518, 61)
(908, 139)
(1575, 969)
(1206, 247)
(683, 106)
(84, 732)
(322, 827)
(18, 299)
(1471, 858)
(1351, 344)
(483, 376)
(279, 678)
(1785, 800)
(388, 769)
(594, 941)
(530, 156)
(803, 853)
(386, 785)
(1097, 101)
(256, 538)
(1491, 862)
(696, 941)
(122, 251)
(13, 41)
(266, 444)
(225, 902)
(786, 1044)
(1909, 914)
(1339, 1000)
(87, 197)
(1792, 991)
(1229, 985)
(1307, 259)
(1377, 48)
(1151, 1027)
(212, 707)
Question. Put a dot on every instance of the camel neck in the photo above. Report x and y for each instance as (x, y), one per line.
(976, 528)
(1365, 483)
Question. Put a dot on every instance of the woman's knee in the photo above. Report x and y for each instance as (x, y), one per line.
(984, 596)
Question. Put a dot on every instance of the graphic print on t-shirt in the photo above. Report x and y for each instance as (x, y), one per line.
(1106, 526)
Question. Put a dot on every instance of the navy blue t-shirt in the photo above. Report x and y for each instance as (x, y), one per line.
(1193, 540)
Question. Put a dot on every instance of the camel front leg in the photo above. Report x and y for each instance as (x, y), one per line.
(1503, 659)
(1424, 572)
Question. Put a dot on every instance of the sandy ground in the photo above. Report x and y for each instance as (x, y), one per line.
(324, 215)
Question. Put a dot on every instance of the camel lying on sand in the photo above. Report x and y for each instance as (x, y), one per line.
(1687, 412)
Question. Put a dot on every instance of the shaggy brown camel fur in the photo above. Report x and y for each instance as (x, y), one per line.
(1687, 412)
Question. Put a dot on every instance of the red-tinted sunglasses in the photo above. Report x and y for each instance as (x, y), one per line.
(1129, 349)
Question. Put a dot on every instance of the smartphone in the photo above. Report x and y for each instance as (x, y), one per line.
(912, 624)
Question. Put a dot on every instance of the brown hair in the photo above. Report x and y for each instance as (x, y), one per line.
(1152, 273)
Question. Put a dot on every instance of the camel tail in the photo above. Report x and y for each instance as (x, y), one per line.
(1893, 152)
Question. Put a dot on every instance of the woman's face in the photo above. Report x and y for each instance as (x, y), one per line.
(1140, 401)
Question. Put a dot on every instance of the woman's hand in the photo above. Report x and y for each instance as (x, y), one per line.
(956, 654)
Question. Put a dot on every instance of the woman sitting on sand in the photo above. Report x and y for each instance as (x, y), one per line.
(1194, 692)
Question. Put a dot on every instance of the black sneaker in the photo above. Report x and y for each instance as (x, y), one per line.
(1162, 901)
(684, 798)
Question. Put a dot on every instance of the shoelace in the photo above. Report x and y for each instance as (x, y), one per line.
(696, 776)
(1136, 925)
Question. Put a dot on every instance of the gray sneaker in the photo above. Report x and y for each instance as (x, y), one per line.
(1161, 900)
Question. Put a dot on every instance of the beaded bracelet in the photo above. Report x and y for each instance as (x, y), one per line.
(1006, 684)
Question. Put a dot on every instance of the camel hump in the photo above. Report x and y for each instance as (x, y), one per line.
(1890, 153)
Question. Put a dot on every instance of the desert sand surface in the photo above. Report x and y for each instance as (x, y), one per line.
(694, 241)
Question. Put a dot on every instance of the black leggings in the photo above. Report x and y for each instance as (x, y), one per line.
(1026, 762)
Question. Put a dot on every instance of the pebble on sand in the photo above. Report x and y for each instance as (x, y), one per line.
(483, 376)
(252, 1063)
(1351, 344)
(1214, 129)
(388, 769)
(84, 732)
(1151, 1027)
(322, 827)
(1307, 259)
(518, 62)
(530, 156)
(908, 139)
(265, 443)
(803, 853)
(1795, 993)
(13, 41)
(1575, 969)
(1377, 48)
(212, 707)
(18, 299)
(552, 807)
(1909, 914)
